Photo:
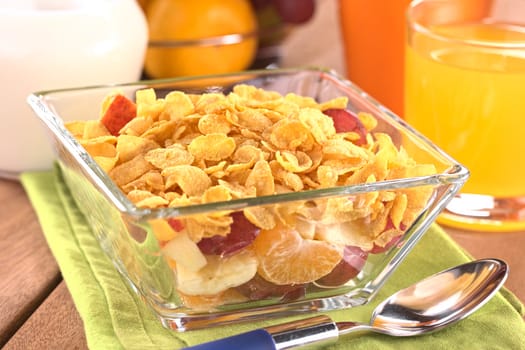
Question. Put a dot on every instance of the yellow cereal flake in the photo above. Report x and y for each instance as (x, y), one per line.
(152, 181)
(321, 127)
(162, 158)
(261, 178)
(293, 181)
(327, 176)
(301, 101)
(336, 103)
(190, 179)
(214, 147)
(288, 134)
(148, 106)
(261, 217)
(160, 131)
(216, 193)
(214, 124)
(178, 105)
(295, 162)
(106, 163)
(128, 146)
(252, 119)
(94, 129)
(137, 126)
(76, 128)
(103, 146)
(368, 120)
(126, 172)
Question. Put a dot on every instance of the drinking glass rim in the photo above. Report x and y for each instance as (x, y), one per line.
(418, 27)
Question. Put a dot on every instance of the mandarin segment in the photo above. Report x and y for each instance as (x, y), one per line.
(286, 258)
(207, 302)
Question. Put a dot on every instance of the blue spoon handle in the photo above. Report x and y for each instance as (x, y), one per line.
(258, 339)
(315, 330)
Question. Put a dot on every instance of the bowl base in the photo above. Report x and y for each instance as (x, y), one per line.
(187, 322)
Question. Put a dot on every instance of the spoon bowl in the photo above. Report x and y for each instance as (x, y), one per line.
(437, 301)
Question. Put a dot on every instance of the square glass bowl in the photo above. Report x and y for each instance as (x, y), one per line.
(229, 288)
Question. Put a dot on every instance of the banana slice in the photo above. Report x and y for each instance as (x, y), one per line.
(218, 275)
(185, 252)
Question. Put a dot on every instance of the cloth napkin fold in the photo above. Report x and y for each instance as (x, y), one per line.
(115, 318)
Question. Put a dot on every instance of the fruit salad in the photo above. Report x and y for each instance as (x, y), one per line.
(185, 149)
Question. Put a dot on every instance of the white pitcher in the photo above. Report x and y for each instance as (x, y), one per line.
(51, 44)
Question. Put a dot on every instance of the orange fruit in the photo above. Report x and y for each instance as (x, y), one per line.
(176, 21)
(143, 4)
(287, 258)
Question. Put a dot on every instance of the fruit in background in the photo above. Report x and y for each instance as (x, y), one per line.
(289, 11)
(276, 16)
(295, 11)
(144, 4)
(271, 27)
(182, 20)
(275, 22)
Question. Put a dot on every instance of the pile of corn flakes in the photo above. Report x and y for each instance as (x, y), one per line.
(187, 149)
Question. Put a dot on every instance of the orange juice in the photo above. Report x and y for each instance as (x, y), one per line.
(470, 101)
(373, 37)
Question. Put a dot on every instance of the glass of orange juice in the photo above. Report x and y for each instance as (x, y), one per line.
(465, 91)
(373, 34)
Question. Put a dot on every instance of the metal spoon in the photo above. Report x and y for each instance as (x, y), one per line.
(427, 306)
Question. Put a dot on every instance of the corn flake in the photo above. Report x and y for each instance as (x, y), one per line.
(162, 158)
(212, 147)
(128, 146)
(261, 178)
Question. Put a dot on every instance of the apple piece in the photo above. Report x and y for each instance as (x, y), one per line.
(176, 224)
(119, 111)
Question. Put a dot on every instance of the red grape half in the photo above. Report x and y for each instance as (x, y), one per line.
(344, 121)
(242, 234)
(354, 258)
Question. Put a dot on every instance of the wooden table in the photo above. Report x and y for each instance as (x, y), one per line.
(36, 309)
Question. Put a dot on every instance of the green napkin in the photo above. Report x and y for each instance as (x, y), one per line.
(115, 318)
